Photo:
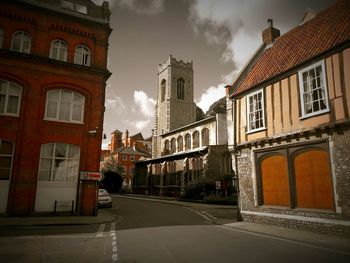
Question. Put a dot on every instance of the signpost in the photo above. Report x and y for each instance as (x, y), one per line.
(91, 176)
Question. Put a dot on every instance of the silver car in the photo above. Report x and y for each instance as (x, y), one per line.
(104, 199)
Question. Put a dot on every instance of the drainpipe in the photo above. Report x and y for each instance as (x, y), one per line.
(239, 216)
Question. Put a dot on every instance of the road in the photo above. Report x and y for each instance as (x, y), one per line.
(147, 231)
(157, 232)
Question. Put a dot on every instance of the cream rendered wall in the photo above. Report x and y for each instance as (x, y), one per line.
(48, 192)
(282, 103)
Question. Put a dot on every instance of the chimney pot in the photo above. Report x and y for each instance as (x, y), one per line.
(270, 22)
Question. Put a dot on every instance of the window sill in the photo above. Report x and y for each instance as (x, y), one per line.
(256, 130)
(314, 114)
(60, 121)
(298, 209)
(9, 115)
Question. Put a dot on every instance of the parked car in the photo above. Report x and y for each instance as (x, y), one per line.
(104, 199)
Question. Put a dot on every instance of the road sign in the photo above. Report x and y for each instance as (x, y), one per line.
(91, 176)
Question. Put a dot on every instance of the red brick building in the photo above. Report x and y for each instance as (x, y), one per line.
(126, 150)
(53, 73)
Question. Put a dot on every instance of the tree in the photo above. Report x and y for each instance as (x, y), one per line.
(112, 175)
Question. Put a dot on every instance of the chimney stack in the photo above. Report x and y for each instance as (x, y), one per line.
(127, 138)
(270, 34)
(115, 140)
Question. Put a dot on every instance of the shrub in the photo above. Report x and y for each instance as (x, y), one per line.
(199, 189)
(112, 181)
(219, 200)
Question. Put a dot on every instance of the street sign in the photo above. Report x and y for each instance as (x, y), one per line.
(91, 176)
(217, 185)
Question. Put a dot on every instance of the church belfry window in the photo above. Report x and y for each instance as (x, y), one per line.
(162, 90)
(180, 89)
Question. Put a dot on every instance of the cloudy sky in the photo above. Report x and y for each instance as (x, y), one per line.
(219, 36)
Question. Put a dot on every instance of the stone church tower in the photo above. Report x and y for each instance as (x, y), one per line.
(175, 107)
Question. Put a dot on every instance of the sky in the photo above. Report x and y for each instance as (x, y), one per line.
(219, 36)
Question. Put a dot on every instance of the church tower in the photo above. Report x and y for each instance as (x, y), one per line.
(175, 107)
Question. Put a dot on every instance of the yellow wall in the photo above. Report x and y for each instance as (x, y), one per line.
(282, 102)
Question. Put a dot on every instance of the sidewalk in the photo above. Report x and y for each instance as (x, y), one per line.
(102, 217)
(174, 201)
(312, 239)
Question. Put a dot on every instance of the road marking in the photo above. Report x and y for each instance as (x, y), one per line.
(100, 230)
(113, 234)
(205, 215)
(208, 215)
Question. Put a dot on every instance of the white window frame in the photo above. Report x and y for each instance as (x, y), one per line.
(58, 102)
(24, 37)
(85, 55)
(323, 86)
(62, 47)
(70, 174)
(124, 157)
(7, 95)
(9, 156)
(132, 158)
(263, 127)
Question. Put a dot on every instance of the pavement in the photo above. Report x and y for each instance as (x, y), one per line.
(312, 239)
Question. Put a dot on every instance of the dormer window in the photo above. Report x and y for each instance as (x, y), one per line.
(74, 6)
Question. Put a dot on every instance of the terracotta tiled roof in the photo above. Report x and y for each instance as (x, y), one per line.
(329, 29)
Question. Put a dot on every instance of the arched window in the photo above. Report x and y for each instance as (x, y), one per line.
(59, 162)
(205, 137)
(187, 141)
(195, 139)
(313, 179)
(197, 167)
(180, 89)
(21, 42)
(6, 156)
(64, 105)
(82, 55)
(180, 144)
(274, 180)
(10, 98)
(162, 90)
(1, 37)
(171, 173)
(166, 145)
(173, 145)
(58, 50)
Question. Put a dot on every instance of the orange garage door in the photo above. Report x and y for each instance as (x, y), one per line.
(313, 180)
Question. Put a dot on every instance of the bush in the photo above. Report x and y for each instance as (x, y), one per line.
(219, 200)
(198, 190)
(112, 181)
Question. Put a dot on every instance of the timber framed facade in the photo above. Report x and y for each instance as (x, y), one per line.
(290, 133)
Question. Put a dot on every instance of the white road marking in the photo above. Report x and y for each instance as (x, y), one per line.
(100, 230)
(205, 215)
(113, 234)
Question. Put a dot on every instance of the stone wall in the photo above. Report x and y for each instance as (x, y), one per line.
(341, 161)
(319, 220)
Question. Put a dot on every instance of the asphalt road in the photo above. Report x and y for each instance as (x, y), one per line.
(157, 232)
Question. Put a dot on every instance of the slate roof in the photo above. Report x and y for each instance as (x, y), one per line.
(328, 30)
(129, 150)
